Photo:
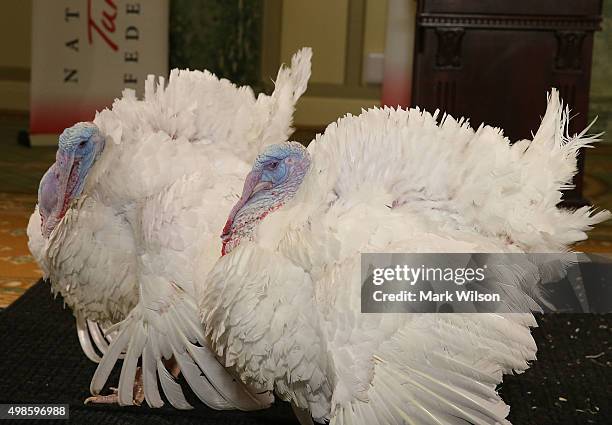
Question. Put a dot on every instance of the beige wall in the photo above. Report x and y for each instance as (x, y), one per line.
(327, 37)
(15, 58)
(341, 34)
(15, 33)
(375, 26)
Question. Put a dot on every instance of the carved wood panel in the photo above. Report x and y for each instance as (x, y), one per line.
(448, 54)
(494, 61)
(569, 50)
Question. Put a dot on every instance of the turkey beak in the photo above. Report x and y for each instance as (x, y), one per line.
(64, 162)
(55, 190)
(252, 185)
(48, 193)
(67, 169)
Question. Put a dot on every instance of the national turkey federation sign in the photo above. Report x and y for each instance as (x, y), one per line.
(85, 52)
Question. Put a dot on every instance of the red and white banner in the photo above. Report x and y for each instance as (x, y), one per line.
(85, 52)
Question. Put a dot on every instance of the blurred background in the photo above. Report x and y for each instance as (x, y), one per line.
(490, 60)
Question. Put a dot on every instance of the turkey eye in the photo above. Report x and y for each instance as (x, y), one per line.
(83, 143)
(272, 165)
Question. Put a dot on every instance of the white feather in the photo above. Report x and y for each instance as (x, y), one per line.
(124, 255)
(284, 310)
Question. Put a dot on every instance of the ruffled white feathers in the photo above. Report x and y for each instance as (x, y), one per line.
(124, 254)
(284, 310)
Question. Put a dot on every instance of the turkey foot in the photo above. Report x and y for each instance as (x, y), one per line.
(113, 398)
(138, 394)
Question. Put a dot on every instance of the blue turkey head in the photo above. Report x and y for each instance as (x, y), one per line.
(276, 176)
(79, 147)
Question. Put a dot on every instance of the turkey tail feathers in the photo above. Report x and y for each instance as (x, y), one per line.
(553, 149)
(294, 80)
(279, 107)
(165, 334)
(83, 332)
(443, 168)
(94, 341)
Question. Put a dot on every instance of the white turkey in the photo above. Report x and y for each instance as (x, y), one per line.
(282, 306)
(130, 200)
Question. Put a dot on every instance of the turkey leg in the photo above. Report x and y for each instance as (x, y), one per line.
(138, 395)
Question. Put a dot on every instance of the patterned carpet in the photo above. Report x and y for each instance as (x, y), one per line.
(21, 169)
(18, 270)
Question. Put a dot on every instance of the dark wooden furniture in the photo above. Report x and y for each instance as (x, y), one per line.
(494, 60)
